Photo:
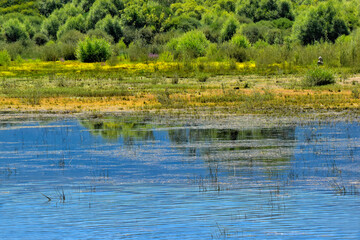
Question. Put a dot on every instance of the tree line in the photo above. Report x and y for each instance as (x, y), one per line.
(174, 29)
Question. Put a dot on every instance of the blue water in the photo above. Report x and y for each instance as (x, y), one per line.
(121, 179)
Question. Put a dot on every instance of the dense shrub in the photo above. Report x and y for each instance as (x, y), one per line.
(14, 30)
(253, 32)
(138, 51)
(68, 43)
(318, 77)
(40, 38)
(98, 33)
(231, 51)
(50, 52)
(93, 50)
(191, 44)
(4, 58)
(240, 41)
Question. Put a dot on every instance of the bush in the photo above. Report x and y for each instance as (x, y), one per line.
(138, 51)
(4, 58)
(93, 50)
(240, 41)
(98, 33)
(166, 56)
(50, 52)
(40, 39)
(318, 77)
(231, 51)
(68, 43)
(192, 44)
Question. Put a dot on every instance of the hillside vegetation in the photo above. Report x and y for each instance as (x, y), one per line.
(265, 31)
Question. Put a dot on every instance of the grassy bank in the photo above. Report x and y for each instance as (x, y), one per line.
(230, 87)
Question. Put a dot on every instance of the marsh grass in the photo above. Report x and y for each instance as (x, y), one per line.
(355, 93)
(235, 89)
(318, 76)
(60, 194)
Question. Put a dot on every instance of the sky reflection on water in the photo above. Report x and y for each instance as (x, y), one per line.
(116, 179)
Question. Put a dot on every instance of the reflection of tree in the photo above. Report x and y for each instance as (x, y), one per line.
(184, 135)
(237, 150)
(113, 129)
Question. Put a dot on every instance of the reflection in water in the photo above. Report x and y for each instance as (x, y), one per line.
(112, 129)
(116, 179)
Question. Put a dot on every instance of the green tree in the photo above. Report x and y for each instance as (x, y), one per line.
(67, 11)
(46, 7)
(99, 10)
(14, 30)
(111, 25)
(133, 16)
(285, 10)
(40, 38)
(320, 23)
(229, 28)
(50, 26)
(73, 23)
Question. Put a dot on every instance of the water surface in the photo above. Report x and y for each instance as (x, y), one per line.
(135, 179)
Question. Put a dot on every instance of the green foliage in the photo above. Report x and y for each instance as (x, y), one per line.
(240, 41)
(229, 28)
(98, 33)
(5, 58)
(93, 50)
(320, 23)
(318, 77)
(258, 10)
(72, 23)
(67, 11)
(231, 51)
(50, 52)
(85, 4)
(166, 56)
(240, 30)
(14, 31)
(138, 51)
(253, 32)
(46, 7)
(184, 23)
(40, 38)
(99, 10)
(68, 43)
(192, 44)
(111, 25)
(282, 23)
(50, 26)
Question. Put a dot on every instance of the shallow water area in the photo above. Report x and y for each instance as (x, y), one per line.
(138, 178)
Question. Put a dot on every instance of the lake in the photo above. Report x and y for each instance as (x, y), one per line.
(119, 178)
